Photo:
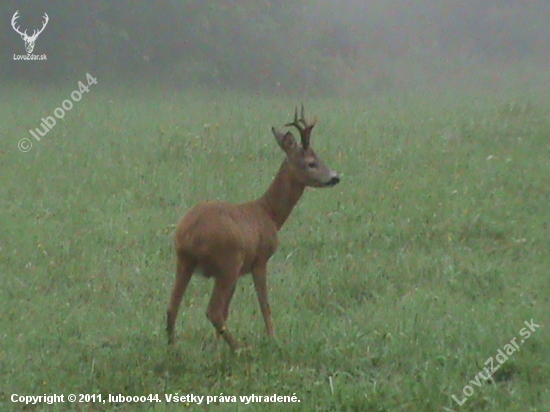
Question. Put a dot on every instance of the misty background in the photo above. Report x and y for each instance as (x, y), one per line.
(283, 46)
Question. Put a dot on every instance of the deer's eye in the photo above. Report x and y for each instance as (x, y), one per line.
(312, 165)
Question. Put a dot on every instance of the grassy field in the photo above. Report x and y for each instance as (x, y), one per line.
(389, 292)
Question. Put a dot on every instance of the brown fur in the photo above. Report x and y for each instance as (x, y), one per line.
(226, 241)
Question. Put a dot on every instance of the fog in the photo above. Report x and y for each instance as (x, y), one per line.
(282, 46)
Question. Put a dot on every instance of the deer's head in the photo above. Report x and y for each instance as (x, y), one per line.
(29, 40)
(305, 165)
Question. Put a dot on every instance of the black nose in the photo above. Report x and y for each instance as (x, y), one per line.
(335, 180)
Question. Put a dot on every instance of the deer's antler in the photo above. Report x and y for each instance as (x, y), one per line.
(14, 22)
(44, 24)
(303, 126)
(35, 32)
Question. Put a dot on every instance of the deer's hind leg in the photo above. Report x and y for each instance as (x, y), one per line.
(184, 271)
(228, 301)
(218, 308)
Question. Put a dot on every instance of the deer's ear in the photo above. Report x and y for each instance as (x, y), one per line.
(285, 140)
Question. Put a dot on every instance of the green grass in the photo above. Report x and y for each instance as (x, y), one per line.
(388, 291)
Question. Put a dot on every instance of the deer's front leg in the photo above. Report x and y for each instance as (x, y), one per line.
(259, 274)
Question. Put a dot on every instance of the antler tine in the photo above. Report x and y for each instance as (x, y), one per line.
(295, 122)
(14, 22)
(303, 119)
(303, 126)
(302, 116)
(44, 24)
(15, 17)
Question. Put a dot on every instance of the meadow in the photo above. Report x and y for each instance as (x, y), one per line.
(389, 291)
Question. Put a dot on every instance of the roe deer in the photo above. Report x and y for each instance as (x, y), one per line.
(226, 241)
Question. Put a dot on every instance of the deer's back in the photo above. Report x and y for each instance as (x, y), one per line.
(214, 233)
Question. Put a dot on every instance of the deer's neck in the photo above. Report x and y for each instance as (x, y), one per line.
(282, 195)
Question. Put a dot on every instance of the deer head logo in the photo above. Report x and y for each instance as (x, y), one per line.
(29, 40)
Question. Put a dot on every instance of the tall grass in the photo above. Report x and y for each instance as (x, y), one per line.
(389, 291)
